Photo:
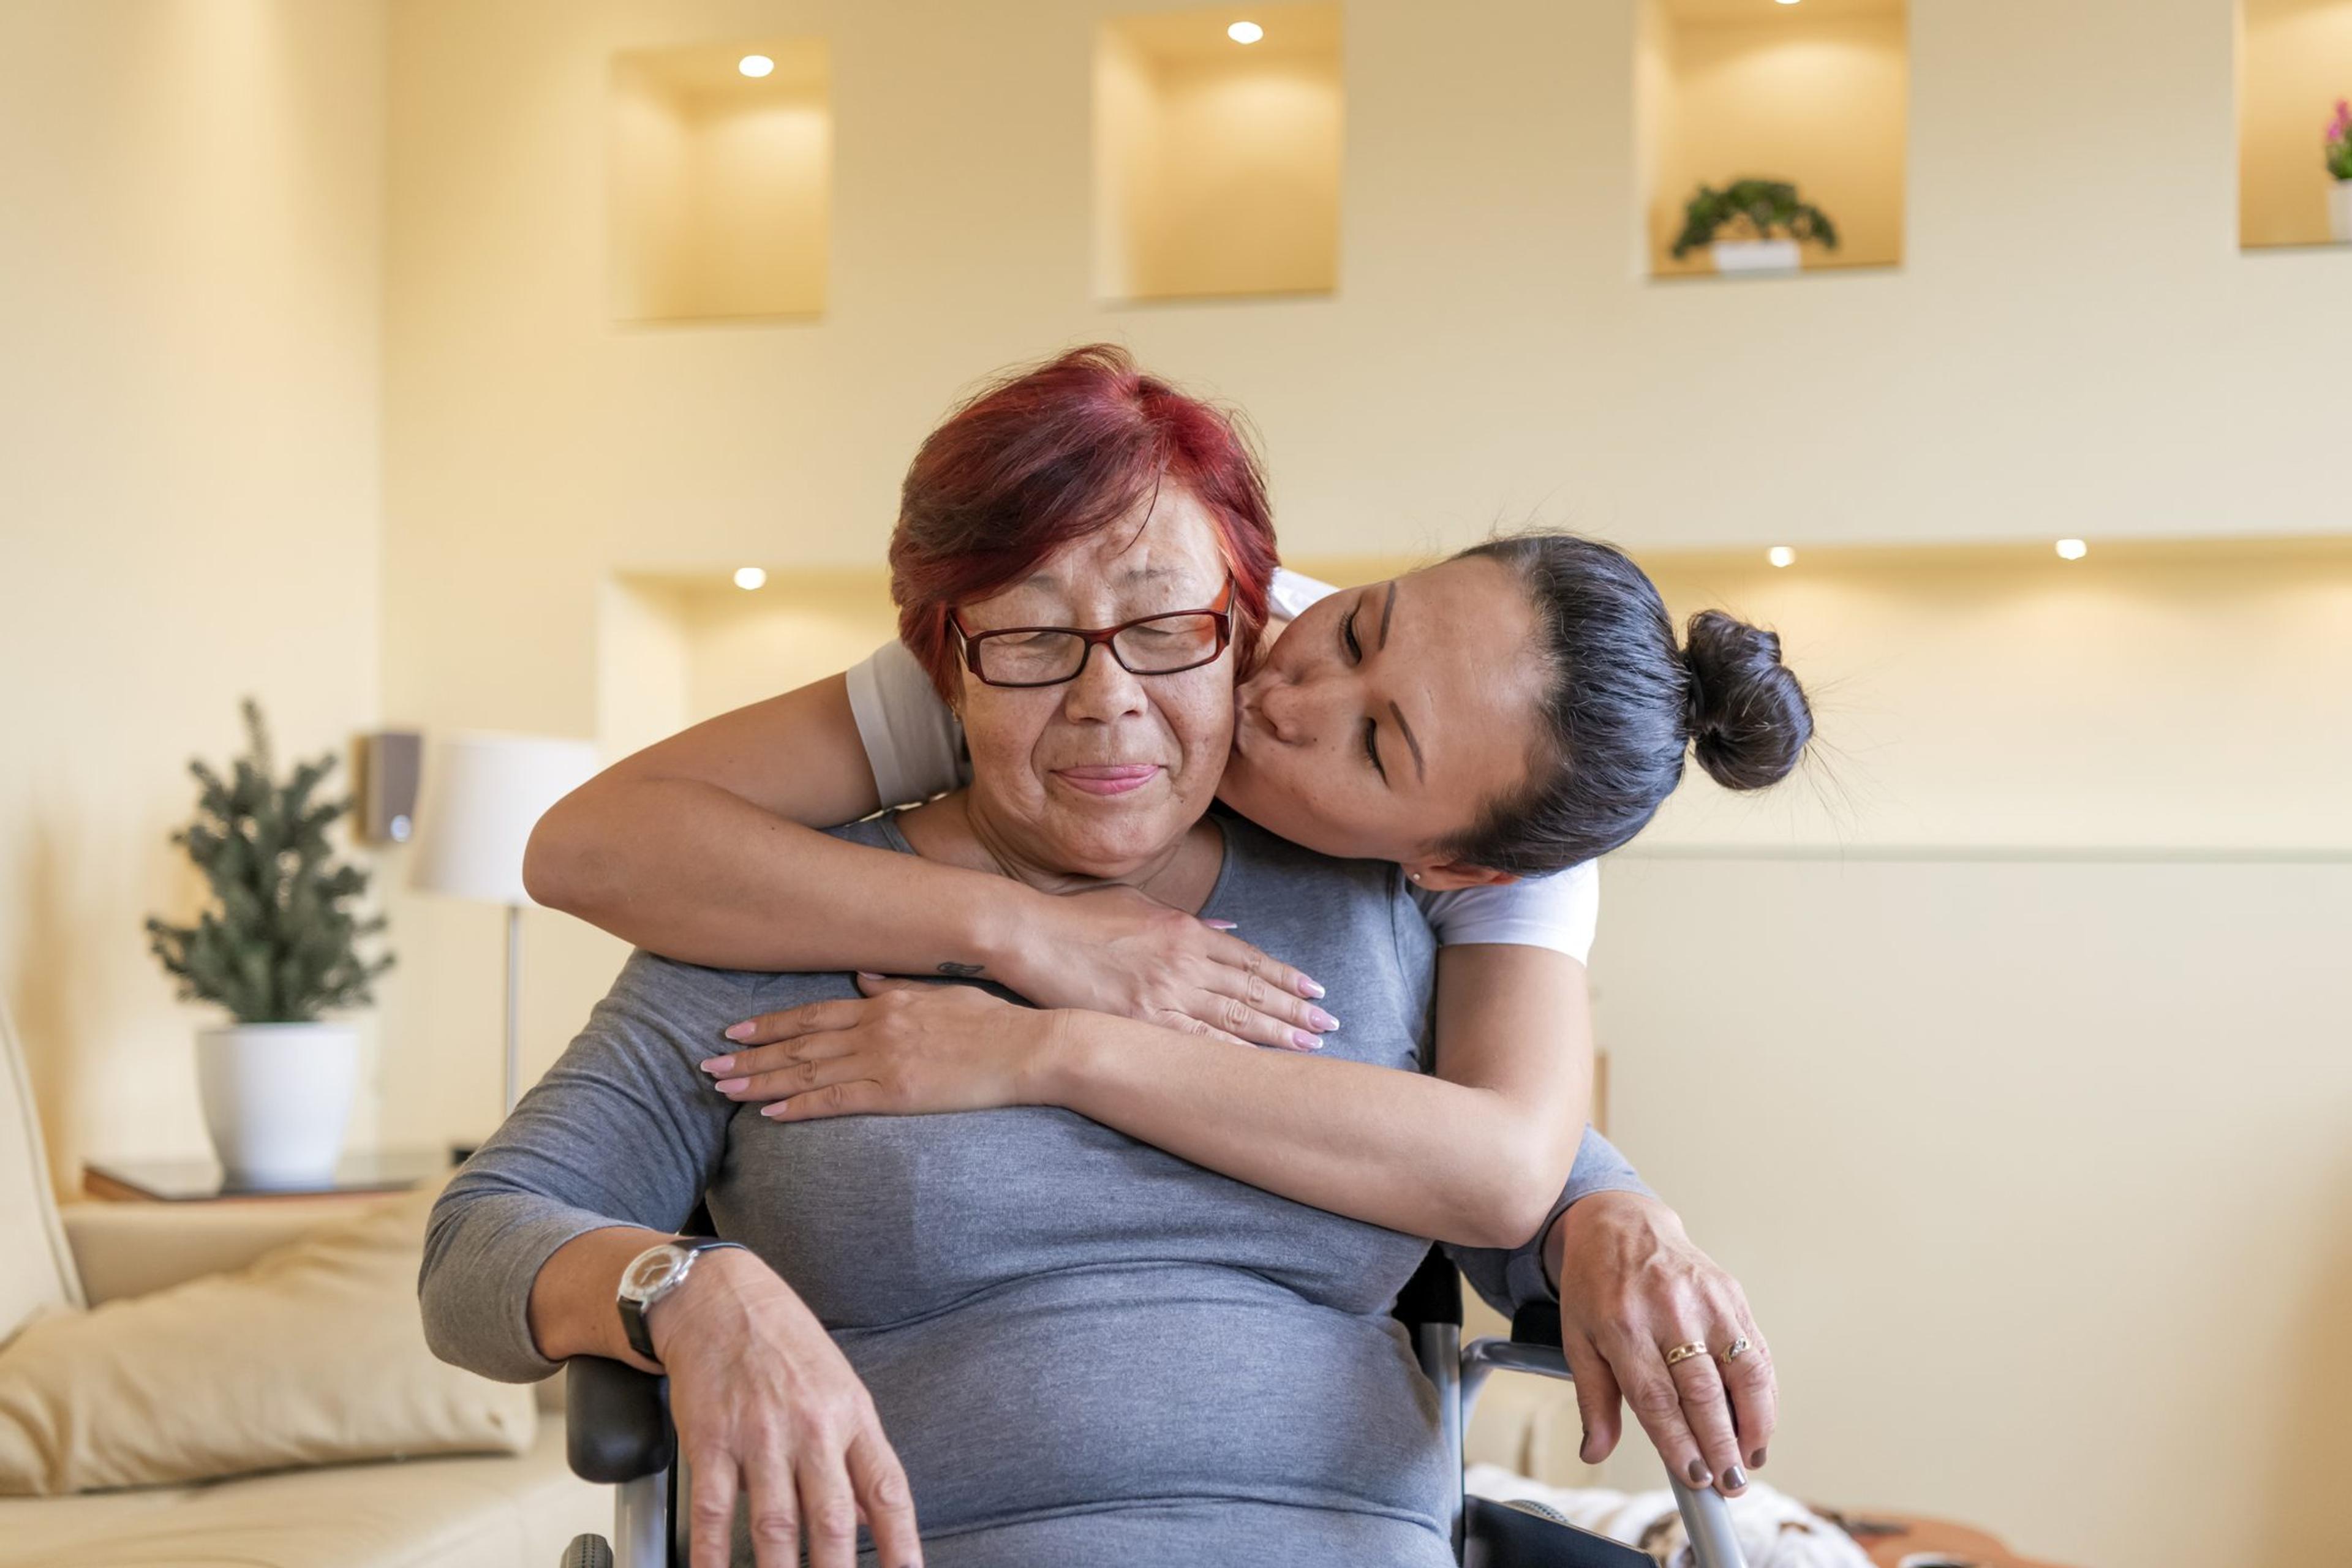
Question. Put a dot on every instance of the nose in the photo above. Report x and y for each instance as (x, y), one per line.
(1288, 708)
(1103, 691)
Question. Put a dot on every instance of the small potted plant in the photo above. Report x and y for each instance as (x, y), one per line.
(276, 946)
(1766, 224)
(2339, 166)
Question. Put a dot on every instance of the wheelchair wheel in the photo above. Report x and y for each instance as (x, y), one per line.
(587, 1552)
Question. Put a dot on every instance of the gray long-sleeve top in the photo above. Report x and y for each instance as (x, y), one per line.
(1083, 1349)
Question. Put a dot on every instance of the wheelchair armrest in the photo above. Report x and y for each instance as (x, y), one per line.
(616, 1421)
(1536, 1323)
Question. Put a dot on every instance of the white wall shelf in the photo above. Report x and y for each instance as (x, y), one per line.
(2295, 63)
(1217, 162)
(1815, 92)
(721, 181)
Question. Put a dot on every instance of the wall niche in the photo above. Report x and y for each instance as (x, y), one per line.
(1814, 92)
(721, 175)
(2294, 65)
(1217, 160)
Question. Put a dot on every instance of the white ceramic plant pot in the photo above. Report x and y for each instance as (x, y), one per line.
(2340, 210)
(277, 1098)
(1753, 256)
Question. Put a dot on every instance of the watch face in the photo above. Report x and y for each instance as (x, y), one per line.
(649, 1271)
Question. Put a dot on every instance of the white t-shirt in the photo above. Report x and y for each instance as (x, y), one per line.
(915, 746)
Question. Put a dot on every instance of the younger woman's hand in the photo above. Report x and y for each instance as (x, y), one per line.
(1114, 950)
(911, 1048)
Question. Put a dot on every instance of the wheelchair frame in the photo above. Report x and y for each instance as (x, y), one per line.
(618, 1433)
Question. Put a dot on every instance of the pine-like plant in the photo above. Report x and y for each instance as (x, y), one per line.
(280, 944)
(1755, 209)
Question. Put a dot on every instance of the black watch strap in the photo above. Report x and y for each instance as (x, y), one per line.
(633, 1312)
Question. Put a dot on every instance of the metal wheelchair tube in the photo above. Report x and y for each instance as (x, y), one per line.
(1705, 1518)
(641, 1522)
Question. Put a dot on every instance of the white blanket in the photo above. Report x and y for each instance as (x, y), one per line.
(1775, 1531)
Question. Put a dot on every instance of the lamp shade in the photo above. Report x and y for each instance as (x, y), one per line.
(483, 794)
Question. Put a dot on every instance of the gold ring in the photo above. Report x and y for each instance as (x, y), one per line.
(1735, 1350)
(1685, 1351)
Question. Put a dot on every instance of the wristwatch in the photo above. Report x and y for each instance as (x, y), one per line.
(654, 1274)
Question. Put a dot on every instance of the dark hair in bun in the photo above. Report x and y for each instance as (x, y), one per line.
(1625, 705)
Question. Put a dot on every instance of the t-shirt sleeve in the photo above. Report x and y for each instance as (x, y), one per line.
(622, 1130)
(1509, 1280)
(1560, 911)
(912, 738)
(1292, 591)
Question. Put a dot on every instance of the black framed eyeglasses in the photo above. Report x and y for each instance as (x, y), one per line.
(1150, 644)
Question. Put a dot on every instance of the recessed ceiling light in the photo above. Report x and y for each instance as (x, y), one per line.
(2072, 550)
(760, 65)
(1780, 555)
(1245, 32)
(1787, 2)
(750, 577)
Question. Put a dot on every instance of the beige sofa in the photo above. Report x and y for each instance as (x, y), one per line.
(492, 1512)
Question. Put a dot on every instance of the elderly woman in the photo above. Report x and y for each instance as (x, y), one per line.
(1492, 724)
(1063, 1345)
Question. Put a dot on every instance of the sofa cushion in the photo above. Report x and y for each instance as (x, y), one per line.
(313, 1353)
(509, 1512)
(40, 1276)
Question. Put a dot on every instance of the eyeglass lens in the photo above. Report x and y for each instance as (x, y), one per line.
(1160, 647)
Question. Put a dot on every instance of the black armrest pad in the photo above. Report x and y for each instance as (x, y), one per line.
(616, 1421)
(1434, 1294)
(1536, 1323)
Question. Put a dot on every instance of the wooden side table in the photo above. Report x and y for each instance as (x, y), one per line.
(203, 1180)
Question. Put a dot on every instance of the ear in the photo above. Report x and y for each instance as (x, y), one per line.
(1448, 876)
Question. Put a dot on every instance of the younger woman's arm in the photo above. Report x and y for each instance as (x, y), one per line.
(1475, 1155)
(705, 848)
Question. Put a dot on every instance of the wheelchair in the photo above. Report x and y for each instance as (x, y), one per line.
(618, 1434)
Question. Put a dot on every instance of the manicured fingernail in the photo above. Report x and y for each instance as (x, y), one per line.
(720, 1064)
(1756, 1460)
(741, 1031)
(1305, 1041)
(1322, 1021)
(729, 1085)
(1733, 1479)
(1220, 925)
(778, 1109)
(1309, 989)
(1697, 1471)
(867, 974)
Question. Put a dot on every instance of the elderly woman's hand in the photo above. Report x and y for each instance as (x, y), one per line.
(1114, 950)
(911, 1048)
(767, 1406)
(1632, 1288)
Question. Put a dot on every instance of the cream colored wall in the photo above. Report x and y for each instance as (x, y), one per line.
(760, 192)
(1249, 180)
(652, 196)
(2071, 346)
(1127, 162)
(191, 296)
(1818, 98)
(2295, 64)
(1216, 173)
(721, 196)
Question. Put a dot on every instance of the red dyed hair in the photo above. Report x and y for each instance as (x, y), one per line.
(1049, 456)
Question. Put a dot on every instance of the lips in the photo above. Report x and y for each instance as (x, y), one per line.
(1108, 778)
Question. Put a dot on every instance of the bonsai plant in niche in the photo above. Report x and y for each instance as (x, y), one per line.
(1766, 224)
(2339, 166)
(277, 947)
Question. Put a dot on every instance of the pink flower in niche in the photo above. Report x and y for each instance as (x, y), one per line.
(2340, 128)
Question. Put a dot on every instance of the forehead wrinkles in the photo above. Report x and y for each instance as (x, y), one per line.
(1173, 556)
